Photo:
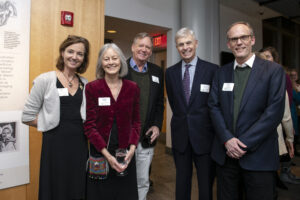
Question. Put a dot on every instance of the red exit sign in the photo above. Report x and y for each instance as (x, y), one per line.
(160, 41)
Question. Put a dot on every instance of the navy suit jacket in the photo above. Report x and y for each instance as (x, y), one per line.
(260, 112)
(190, 121)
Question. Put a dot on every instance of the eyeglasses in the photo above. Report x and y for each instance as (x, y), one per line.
(243, 38)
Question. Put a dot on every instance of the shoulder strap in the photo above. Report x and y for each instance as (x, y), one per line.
(89, 144)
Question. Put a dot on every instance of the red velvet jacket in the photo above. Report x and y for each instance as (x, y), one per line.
(99, 119)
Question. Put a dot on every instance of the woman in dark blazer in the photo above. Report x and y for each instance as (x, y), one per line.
(113, 122)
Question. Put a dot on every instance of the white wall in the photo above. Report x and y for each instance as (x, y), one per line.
(157, 12)
(228, 16)
(163, 13)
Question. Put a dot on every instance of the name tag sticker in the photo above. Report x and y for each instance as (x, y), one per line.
(103, 101)
(228, 87)
(204, 88)
(63, 92)
(155, 79)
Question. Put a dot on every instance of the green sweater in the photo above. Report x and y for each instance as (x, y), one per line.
(241, 76)
(143, 81)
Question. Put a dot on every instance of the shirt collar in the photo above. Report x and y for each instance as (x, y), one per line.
(248, 63)
(135, 68)
(192, 63)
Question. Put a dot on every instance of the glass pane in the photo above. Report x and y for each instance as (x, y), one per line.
(289, 56)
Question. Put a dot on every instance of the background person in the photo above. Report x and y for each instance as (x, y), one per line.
(150, 79)
(56, 106)
(286, 126)
(113, 120)
(293, 73)
(271, 54)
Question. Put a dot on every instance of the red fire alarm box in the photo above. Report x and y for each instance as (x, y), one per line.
(66, 18)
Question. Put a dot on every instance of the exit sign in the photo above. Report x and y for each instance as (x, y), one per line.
(160, 41)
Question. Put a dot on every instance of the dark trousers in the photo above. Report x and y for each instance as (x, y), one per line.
(184, 168)
(231, 178)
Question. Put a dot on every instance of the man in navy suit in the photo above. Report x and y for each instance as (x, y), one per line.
(246, 105)
(188, 86)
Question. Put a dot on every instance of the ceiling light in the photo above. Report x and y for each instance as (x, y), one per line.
(111, 31)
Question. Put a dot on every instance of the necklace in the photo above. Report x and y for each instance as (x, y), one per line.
(117, 87)
(70, 84)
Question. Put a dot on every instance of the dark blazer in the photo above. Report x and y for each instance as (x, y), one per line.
(156, 99)
(190, 122)
(261, 111)
(99, 119)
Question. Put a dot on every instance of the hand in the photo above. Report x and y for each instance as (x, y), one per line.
(115, 164)
(113, 161)
(155, 133)
(129, 154)
(297, 87)
(290, 147)
(233, 148)
(32, 123)
(11, 139)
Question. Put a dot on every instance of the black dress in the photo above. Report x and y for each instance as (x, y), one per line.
(114, 187)
(64, 153)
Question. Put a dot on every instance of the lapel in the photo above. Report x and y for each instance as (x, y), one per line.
(152, 87)
(228, 78)
(199, 75)
(128, 76)
(256, 73)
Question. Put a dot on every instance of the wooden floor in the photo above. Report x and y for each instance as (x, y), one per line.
(163, 176)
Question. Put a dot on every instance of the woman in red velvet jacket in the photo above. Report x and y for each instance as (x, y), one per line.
(113, 121)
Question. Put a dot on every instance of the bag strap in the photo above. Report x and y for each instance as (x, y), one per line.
(106, 145)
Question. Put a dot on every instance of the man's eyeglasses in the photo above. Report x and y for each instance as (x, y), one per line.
(243, 38)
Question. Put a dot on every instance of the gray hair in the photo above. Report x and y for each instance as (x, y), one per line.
(183, 32)
(243, 23)
(99, 69)
(141, 36)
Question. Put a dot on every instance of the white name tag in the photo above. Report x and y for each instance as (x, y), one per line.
(228, 87)
(204, 88)
(155, 79)
(103, 101)
(62, 92)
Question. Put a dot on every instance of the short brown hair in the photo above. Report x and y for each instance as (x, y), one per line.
(73, 39)
(241, 22)
(273, 52)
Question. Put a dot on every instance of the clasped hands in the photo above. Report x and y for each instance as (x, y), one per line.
(120, 167)
(234, 148)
